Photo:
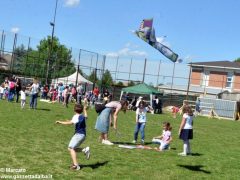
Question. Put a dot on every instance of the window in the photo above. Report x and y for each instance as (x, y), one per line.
(229, 80)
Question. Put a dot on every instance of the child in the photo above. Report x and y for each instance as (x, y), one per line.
(186, 130)
(175, 110)
(141, 119)
(165, 139)
(66, 96)
(1, 90)
(23, 97)
(80, 133)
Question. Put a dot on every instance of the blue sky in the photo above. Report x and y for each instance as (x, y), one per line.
(203, 30)
(199, 30)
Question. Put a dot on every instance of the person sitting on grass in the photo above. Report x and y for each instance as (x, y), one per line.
(165, 139)
(80, 134)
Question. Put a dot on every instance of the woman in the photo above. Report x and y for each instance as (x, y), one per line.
(18, 88)
(103, 120)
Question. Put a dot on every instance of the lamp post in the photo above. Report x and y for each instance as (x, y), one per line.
(51, 45)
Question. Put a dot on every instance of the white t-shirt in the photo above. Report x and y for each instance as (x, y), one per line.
(1, 90)
(75, 119)
(23, 95)
(189, 121)
(34, 88)
(142, 115)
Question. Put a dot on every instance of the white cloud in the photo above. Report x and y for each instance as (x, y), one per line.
(71, 3)
(15, 30)
(128, 50)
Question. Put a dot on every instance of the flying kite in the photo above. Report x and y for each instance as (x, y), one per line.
(146, 32)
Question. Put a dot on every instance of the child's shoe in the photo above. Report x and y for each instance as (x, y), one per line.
(87, 152)
(75, 167)
(106, 142)
(182, 154)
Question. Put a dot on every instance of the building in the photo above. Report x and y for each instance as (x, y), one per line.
(216, 75)
(208, 79)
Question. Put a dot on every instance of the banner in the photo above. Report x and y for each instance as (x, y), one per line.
(147, 33)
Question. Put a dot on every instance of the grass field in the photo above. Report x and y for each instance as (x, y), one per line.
(31, 140)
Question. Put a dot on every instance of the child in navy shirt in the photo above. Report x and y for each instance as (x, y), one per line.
(80, 133)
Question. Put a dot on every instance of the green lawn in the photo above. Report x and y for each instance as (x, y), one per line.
(30, 140)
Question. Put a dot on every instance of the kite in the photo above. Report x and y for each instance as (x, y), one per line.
(146, 32)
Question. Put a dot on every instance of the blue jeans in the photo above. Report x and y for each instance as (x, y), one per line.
(141, 127)
(33, 101)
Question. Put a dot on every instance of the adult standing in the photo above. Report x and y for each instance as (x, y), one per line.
(103, 120)
(34, 94)
(18, 85)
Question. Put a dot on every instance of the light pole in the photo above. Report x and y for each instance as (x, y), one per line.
(51, 45)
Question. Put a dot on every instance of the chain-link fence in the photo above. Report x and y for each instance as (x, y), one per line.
(47, 59)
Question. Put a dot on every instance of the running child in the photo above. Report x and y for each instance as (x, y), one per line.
(80, 134)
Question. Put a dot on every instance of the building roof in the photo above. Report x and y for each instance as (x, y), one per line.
(219, 64)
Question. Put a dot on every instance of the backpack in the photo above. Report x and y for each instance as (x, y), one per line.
(99, 107)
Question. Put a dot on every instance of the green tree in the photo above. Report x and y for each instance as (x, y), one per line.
(107, 79)
(34, 62)
(120, 83)
(131, 83)
(237, 60)
(93, 76)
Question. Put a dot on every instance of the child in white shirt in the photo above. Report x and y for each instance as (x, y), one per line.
(23, 97)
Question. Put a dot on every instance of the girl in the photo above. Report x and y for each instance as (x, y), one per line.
(103, 120)
(165, 139)
(186, 130)
(141, 119)
(23, 97)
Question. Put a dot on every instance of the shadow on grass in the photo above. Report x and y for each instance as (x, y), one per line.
(196, 154)
(43, 109)
(95, 166)
(195, 168)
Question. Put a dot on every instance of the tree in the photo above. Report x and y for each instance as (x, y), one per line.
(107, 79)
(131, 83)
(31, 62)
(93, 76)
(237, 60)
(120, 83)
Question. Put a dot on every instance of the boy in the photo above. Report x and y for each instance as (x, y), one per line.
(80, 133)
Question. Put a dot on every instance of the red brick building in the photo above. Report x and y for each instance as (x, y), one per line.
(224, 75)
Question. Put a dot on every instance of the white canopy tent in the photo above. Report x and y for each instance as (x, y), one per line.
(71, 79)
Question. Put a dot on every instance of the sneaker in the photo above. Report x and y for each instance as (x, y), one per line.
(134, 141)
(75, 167)
(87, 152)
(182, 154)
(106, 142)
(142, 141)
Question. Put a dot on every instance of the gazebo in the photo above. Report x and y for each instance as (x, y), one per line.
(141, 89)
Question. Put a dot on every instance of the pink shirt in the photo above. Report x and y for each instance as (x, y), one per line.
(166, 135)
